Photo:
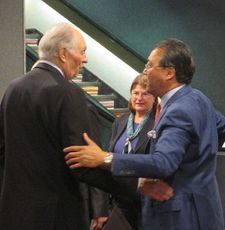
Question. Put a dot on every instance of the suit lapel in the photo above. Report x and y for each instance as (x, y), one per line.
(180, 93)
(143, 138)
(143, 134)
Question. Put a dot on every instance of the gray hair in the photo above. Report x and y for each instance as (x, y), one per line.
(59, 36)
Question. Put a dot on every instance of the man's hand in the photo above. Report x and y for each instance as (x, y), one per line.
(155, 189)
(98, 223)
(90, 155)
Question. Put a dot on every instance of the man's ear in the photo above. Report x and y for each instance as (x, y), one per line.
(62, 54)
(171, 73)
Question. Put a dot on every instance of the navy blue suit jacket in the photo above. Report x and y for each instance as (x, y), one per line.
(183, 150)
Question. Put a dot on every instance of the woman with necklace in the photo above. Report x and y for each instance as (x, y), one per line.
(129, 136)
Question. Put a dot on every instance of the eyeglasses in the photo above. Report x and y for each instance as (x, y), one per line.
(142, 94)
(148, 65)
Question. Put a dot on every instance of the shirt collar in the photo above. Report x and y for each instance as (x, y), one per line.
(168, 95)
(53, 65)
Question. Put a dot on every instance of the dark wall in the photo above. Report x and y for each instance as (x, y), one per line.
(140, 24)
(12, 42)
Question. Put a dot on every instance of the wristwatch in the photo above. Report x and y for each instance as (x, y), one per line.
(108, 159)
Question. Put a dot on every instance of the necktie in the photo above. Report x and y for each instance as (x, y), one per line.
(158, 109)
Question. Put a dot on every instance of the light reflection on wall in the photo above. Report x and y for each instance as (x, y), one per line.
(101, 62)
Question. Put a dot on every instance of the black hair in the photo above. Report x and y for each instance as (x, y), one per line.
(177, 54)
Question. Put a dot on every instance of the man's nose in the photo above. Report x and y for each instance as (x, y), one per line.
(85, 59)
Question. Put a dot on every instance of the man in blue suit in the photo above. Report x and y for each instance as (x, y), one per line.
(184, 143)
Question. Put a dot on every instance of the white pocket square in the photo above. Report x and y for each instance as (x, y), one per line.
(152, 134)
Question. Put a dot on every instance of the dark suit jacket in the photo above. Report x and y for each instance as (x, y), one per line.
(183, 153)
(96, 202)
(119, 127)
(41, 113)
(131, 208)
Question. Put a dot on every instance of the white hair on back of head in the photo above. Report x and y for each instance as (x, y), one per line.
(59, 36)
